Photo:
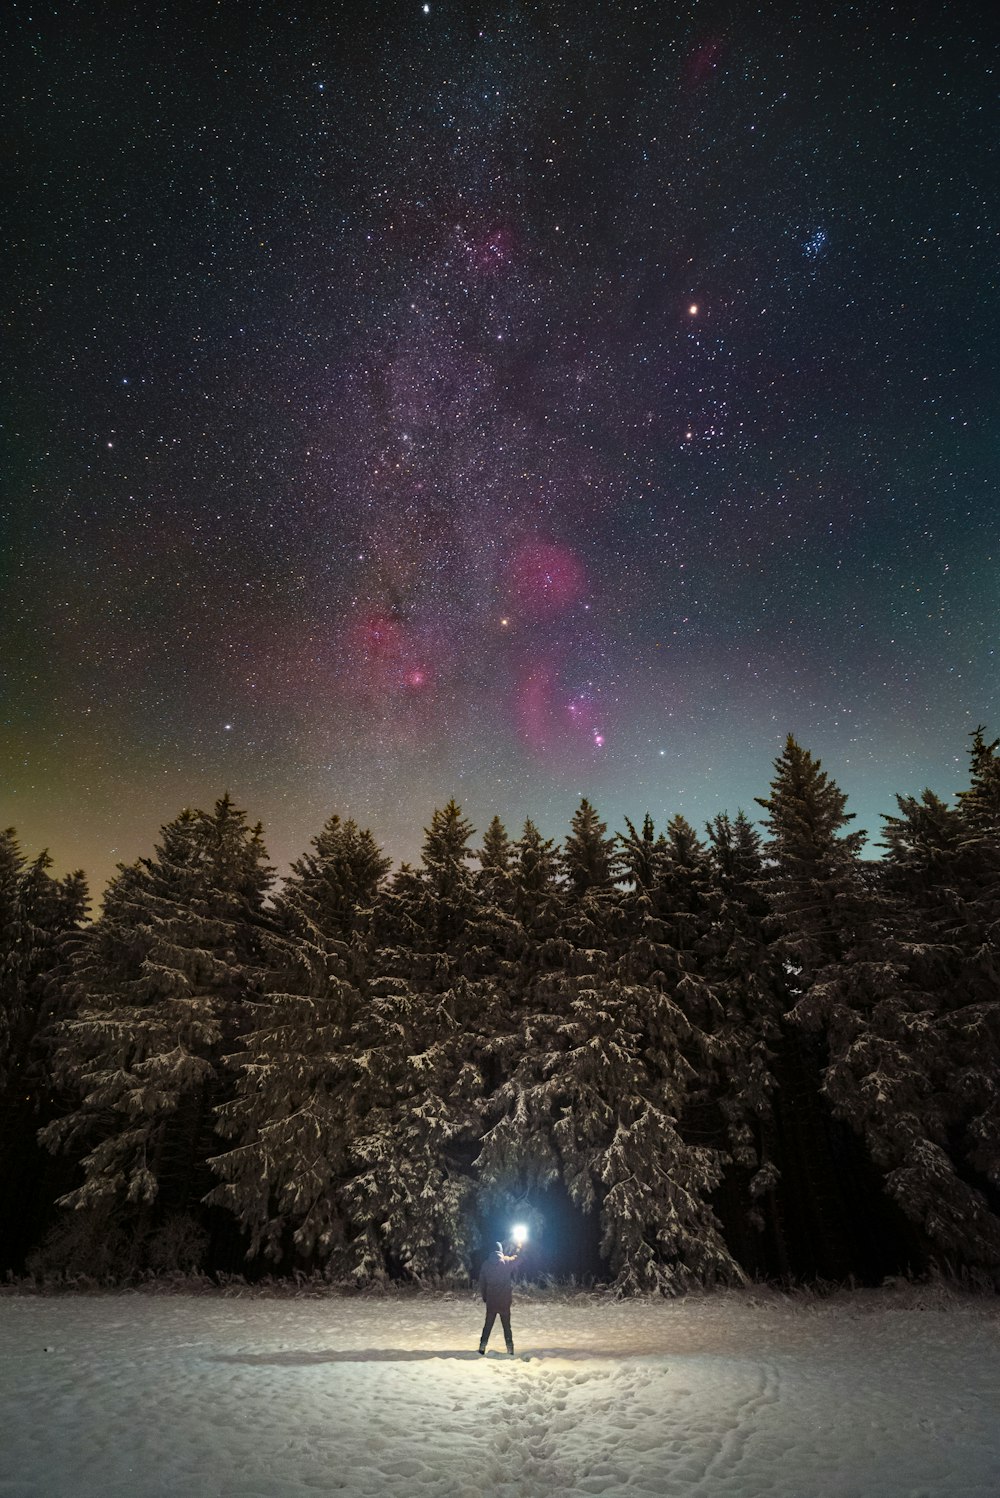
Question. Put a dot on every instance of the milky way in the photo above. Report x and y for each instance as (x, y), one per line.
(508, 402)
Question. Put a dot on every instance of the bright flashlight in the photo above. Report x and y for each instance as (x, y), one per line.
(519, 1234)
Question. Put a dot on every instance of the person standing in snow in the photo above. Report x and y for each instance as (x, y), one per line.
(496, 1289)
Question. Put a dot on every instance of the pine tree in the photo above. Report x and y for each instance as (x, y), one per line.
(515, 1160)
(810, 882)
(537, 898)
(411, 1192)
(973, 1028)
(813, 886)
(686, 900)
(163, 979)
(299, 1099)
(854, 996)
(747, 983)
(599, 1080)
(37, 912)
(338, 881)
(494, 880)
(589, 860)
(665, 957)
(492, 948)
(979, 803)
(702, 935)
(941, 877)
(39, 916)
(642, 854)
(517, 1156)
(295, 1108)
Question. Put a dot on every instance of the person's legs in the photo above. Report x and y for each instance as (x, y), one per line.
(507, 1333)
(491, 1316)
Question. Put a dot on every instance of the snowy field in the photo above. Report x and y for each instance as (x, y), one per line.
(874, 1395)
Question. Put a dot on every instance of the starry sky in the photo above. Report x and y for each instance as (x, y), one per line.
(508, 401)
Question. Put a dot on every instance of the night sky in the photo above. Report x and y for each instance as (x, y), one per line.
(512, 402)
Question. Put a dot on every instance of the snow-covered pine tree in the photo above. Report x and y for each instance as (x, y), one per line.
(162, 983)
(685, 902)
(809, 860)
(492, 951)
(39, 916)
(709, 926)
(411, 1191)
(37, 913)
(852, 995)
(747, 984)
(592, 909)
(974, 1029)
(942, 881)
(515, 878)
(494, 878)
(299, 1097)
(534, 874)
(670, 911)
(671, 920)
(662, 960)
(338, 881)
(517, 1157)
(589, 860)
(599, 1068)
(812, 880)
(641, 854)
(617, 1083)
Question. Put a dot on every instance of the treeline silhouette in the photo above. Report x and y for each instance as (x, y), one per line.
(682, 1059)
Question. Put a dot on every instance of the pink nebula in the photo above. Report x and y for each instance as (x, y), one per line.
(535, 717)
(703, 61)
(553, 723)
(382, 656)
(378, 635)
(546, 577)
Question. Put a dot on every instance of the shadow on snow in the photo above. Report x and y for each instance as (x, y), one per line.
(303, 1358)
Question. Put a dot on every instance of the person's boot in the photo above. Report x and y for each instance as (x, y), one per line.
(510, 1348)
(482, 1349)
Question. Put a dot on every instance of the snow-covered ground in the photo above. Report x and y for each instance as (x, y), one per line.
(873, 1395)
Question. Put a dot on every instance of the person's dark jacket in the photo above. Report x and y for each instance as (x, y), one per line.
(494, 1280)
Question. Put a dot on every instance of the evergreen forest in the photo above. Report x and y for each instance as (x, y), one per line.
(682, 1056)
